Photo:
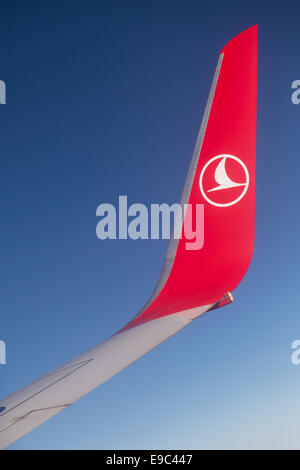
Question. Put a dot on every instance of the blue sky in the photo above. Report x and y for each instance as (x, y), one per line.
(106, 98)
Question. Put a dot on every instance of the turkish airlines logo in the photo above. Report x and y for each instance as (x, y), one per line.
(224, 180)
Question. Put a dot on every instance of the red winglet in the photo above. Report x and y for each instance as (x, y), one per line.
(223, 179)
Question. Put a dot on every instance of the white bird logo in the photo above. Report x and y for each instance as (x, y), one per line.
(223, 179)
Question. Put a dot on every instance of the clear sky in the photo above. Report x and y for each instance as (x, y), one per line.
(106, 98)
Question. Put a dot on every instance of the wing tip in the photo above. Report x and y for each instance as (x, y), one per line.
(249, 33)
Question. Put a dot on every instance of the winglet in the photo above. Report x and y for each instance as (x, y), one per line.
(193, 278)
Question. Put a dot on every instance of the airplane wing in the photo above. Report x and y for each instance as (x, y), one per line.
(193, 281)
